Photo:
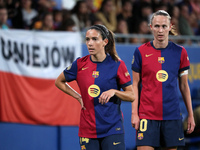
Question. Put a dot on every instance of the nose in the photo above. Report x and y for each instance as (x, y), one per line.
(160, 29)
(90, 42)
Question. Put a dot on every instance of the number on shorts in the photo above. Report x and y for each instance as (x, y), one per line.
(143, 125)
(82, 139)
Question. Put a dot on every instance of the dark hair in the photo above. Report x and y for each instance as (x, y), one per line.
(107, 34)
(164, 13)
(103, 4)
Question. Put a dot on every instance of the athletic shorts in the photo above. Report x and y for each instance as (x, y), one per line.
(160, 133)
(112, 142)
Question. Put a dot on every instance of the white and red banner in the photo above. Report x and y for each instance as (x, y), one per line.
(30, 61)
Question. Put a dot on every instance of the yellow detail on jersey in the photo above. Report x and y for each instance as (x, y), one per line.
(116, 143)
(148, 55)
(127, 74)
(68, 68)
(133, 59)
(162, 75)
(94, 90)
(95, 74)
(161, 60)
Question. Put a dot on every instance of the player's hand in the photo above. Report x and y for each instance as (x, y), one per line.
(135, 121)
(105, 96)
(81, 102)
(190, 124)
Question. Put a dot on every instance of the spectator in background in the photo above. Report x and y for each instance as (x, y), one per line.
(12, 7)
(46, 5)
(142, 28)
(195, 4)
(96, 21)
(24, 19)
(47, 22)
(145, 12)
(58, 18)
(122, 28)
(174, 12)
(126, 14)
(90, 6)
(80, 16)
(68, 25)
(107, 14)
(184, 21)
(3, 17)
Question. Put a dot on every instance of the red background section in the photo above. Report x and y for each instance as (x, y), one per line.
(36, 101)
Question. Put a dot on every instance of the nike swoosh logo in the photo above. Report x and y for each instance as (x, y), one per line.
(148, 55)
(116, 143)
(85, 68)
(180, 139)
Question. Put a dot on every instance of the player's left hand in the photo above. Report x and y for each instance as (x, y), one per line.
(105, 96)
(190, 124)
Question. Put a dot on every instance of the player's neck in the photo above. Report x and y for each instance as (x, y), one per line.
(160, 44)
(98, 58)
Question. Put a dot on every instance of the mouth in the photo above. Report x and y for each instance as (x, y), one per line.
(91, 49)
(160, 36)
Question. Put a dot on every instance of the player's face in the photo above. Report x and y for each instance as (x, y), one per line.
(94, 42)
(160, 28)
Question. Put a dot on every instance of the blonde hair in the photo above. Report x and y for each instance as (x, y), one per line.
(164, 13)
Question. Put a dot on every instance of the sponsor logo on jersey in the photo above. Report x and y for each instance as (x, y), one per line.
(162, 75)
(94, 90)
(161, 60)
(140, 136)
(83, 147)
(95, 74)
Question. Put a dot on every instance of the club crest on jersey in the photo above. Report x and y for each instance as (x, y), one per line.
(83, 147)
(161, 60)
(94, 90)
(162, 75)
(140, 136)
(95, 74)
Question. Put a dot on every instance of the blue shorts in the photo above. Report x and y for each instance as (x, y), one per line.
(112, 142)
(160, 133)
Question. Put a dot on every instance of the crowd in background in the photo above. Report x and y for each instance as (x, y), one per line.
(120, 16)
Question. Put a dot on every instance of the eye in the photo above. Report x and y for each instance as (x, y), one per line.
(87, 39)
(164, 26)
(156, 26)
(94, 38)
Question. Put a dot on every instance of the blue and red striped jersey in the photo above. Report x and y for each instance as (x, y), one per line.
(159, 70)
(93, 78)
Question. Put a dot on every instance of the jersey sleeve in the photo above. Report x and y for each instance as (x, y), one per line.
(123, 75)
(137, 61)
(71, 71)
(184, 61)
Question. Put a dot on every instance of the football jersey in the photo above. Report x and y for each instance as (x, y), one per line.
(159, 70)
(93, 78)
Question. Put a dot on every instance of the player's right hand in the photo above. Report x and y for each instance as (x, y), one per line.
(135, 121)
